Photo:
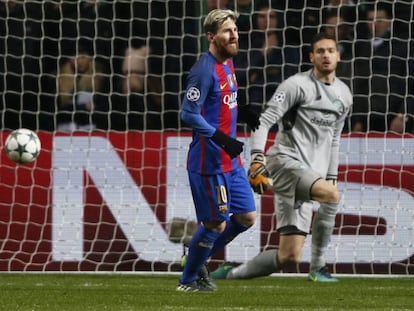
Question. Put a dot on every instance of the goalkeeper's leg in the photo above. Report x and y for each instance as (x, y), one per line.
(324, 221)
(293, 227)
(291, 243)
(322, 227)
(272, 261)
(264, 264)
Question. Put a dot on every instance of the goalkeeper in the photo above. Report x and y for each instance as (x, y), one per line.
(221, 192)
(310, 109)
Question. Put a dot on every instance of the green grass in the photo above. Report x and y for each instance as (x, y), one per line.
(124, 292)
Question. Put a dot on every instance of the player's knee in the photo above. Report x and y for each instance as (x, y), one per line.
(215, 225)
(325, 192)
(250, 220)
(246, 219)
(290, 258)
(333, 196)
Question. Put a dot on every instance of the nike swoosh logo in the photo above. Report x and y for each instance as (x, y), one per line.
(222, 86)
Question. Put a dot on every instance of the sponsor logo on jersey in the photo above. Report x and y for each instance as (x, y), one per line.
(323, 122)
(193, 94)
(230, 100)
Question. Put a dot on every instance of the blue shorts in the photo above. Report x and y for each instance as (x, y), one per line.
(216, 197)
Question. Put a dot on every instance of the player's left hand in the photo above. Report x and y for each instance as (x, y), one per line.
(258, 174)
(248, 116)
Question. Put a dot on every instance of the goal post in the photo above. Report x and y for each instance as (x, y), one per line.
(101, 84)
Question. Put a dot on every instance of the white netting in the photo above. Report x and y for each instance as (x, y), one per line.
(109, 190)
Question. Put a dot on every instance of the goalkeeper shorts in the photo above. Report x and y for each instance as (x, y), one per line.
(291, 178)
(292, 183)
(288, 217)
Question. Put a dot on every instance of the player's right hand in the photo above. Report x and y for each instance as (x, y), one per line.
(258, 175)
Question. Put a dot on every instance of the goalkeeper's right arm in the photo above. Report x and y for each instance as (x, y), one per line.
(258, 175)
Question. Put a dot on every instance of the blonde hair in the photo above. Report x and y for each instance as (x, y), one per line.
(216, 18)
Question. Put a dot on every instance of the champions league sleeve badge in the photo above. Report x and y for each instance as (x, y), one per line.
(193, 94)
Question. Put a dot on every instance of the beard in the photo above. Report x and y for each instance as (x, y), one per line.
(325, 70)
(227, 50)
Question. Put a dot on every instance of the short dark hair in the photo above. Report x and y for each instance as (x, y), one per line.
(320, 36)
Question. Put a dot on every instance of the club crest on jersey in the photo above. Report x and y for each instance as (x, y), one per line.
(223, 209)
(339, 105)
(231, 80)
(193, 94)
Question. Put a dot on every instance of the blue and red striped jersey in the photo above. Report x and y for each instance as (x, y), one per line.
(210, 103)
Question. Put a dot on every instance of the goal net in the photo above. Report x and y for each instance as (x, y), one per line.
(101, 83)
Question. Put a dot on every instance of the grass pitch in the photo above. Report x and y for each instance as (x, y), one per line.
(124, 292)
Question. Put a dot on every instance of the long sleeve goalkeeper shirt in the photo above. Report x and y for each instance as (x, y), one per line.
(310, 115)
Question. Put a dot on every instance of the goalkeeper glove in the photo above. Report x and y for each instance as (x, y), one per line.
(258, 175)
(231, 146)
(248, 116)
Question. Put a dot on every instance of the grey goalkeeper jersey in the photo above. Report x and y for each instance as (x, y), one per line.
(310, 116)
